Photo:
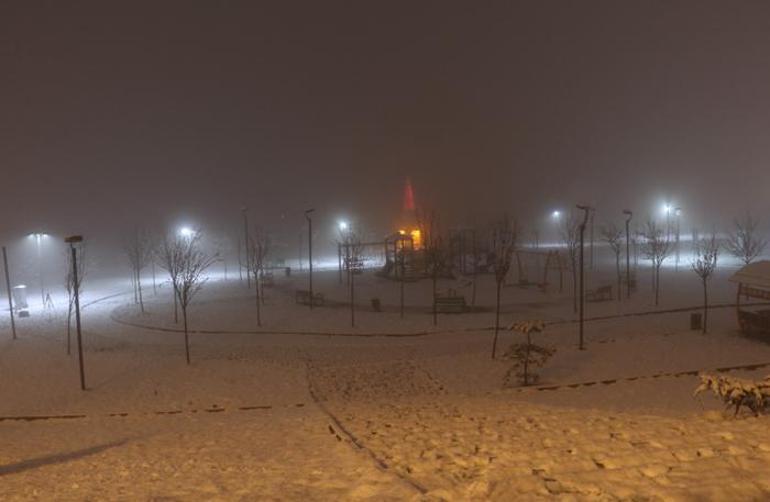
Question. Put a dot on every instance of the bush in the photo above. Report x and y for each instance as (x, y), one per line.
(737, 392)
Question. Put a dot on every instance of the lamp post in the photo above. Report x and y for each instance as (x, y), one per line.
(39, 243)
(308, 212)
(629, 215)
(244, 210)
(76, 288)
(677, 214)
(586, 210)
(8, 288)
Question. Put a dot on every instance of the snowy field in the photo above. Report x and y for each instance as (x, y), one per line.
(308, 407)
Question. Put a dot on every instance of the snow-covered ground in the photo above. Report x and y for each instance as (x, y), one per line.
(309, 407)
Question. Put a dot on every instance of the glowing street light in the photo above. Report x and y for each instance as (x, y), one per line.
(342, 225)
(556, 215)
(39, 238)
(187, 232)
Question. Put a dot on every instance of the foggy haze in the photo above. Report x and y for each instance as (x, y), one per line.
(160, 113)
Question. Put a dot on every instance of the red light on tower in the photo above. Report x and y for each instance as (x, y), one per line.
(408, 196)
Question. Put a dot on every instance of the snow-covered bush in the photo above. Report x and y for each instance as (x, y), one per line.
(526, 355)
(737, 391)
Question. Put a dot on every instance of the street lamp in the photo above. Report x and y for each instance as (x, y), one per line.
(629, 215)
(76, 239)
(343, 226)
(39, 237)
(586, 211)
(677, 214)
(187, 232)
(308, 212)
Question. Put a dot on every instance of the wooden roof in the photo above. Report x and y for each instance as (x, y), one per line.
(755, 274)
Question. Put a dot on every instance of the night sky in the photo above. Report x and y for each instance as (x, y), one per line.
(114, 114)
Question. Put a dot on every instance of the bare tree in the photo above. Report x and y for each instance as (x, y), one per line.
(354, 263)
(744, 243)
(138, 249)
(570, 237)
(433, 251)
(70, 286)
(704, 264)
(185, 262)
(259, 247)
(656, 248)
(503, 246)
(613, 236)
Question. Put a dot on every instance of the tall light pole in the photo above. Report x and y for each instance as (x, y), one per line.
(677, 214)
(629, 215)
(586, 210)
(244, 210)
(591, 233)
(39, 243)
(310, 253)
(76, 288)
(8, 288)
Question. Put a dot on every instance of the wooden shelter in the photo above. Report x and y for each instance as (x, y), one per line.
(753, 283)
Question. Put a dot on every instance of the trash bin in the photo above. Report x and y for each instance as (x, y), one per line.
(19, 294)
(376, 304)
(696, 321)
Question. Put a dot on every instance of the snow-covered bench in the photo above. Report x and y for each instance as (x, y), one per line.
(450, 303)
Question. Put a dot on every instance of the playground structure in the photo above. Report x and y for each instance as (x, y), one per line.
(753, 283)
(540, 261)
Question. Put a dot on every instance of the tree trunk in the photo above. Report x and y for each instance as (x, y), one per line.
(352, 299)
(705, 306)
(574, 288)
(657, 284)
(186, 337)
(620, 277)
(176, 306)
(497, 320)
(259, 308)
(139, 288)
(435, 315)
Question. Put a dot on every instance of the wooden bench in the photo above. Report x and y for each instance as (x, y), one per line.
(302, 297)
(603, 293)
(450, 303)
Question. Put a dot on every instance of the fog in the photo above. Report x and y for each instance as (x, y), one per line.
(160, 115)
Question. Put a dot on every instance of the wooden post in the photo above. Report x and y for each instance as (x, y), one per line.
(76, 287)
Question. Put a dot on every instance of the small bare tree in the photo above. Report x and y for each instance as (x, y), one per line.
(433, 251)
(613, 236)
(657, 247)
(704, 264)
(570, 237)
(354, 264)
(503, 246)
(70, 286)
(526, 355)
(138, 249)
(185, 262)
(743, 242)
(259, 247)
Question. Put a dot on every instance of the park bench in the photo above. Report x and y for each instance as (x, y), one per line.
(599, 294)
(450, 303)
(302, 297)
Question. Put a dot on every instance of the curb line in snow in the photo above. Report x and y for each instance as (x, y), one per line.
(611, 381)
(215, 409)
